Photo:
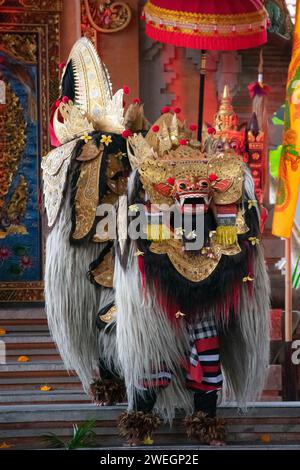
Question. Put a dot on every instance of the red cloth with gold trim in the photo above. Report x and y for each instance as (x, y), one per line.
(207, 24)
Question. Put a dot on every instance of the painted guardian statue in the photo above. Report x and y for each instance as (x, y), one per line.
(173, 312)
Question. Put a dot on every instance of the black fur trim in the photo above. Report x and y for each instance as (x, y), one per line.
(109, 391)
(195, 297)
(68, 83)
(145, 401)
(206, 402)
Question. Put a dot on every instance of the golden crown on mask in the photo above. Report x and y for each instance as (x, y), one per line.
(169, 151)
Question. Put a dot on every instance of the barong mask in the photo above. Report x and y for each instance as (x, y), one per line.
(175, 171)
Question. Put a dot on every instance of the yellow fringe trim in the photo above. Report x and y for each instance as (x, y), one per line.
(226, 235)
(158, 232)
(202, 18)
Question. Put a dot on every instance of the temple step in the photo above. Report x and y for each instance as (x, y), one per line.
(18, 397)
(23, 426)
(25, 333)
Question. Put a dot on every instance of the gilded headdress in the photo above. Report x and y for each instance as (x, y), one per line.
(168, 153)
(227, 132)
(94, 107)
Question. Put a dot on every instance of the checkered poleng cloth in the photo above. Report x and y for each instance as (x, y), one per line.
(203, 368)
(204, 359)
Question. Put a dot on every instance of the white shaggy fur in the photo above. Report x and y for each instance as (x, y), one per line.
(245, 343)
(72, 302)
(146, 339)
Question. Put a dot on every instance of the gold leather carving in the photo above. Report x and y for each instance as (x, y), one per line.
(87, 197)
(89, 152)
(103, 274)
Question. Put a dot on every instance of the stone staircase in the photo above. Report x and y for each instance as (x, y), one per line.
(22, 427)
(27, 412)
(27, 334)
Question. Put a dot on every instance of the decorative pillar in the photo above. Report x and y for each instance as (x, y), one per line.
(114, 28)
(70, 27)
(227, 74)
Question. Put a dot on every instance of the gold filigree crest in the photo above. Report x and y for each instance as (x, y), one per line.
(194, 266)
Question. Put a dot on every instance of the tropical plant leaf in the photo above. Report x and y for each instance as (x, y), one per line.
(52, 440)
(83, 436)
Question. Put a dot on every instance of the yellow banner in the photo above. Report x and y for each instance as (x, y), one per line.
(289, 170)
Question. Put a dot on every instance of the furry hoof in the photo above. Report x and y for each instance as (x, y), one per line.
(209, 431)
(137, 426)
(107, 392)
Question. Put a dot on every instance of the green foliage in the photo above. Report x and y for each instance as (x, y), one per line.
(52, 440)
(83, 436)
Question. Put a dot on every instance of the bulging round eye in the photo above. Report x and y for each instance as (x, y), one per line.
(234, 145)
(204, 184)
(220, 146)
(182, 186)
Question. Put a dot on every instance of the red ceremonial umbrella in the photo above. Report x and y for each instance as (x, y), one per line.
(207, 24)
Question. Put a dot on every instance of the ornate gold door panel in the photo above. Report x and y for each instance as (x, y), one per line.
(29, 56)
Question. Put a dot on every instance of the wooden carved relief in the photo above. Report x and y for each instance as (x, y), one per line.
(103, 16)
(29, 56)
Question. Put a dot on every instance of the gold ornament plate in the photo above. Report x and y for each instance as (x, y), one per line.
(194, 266)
